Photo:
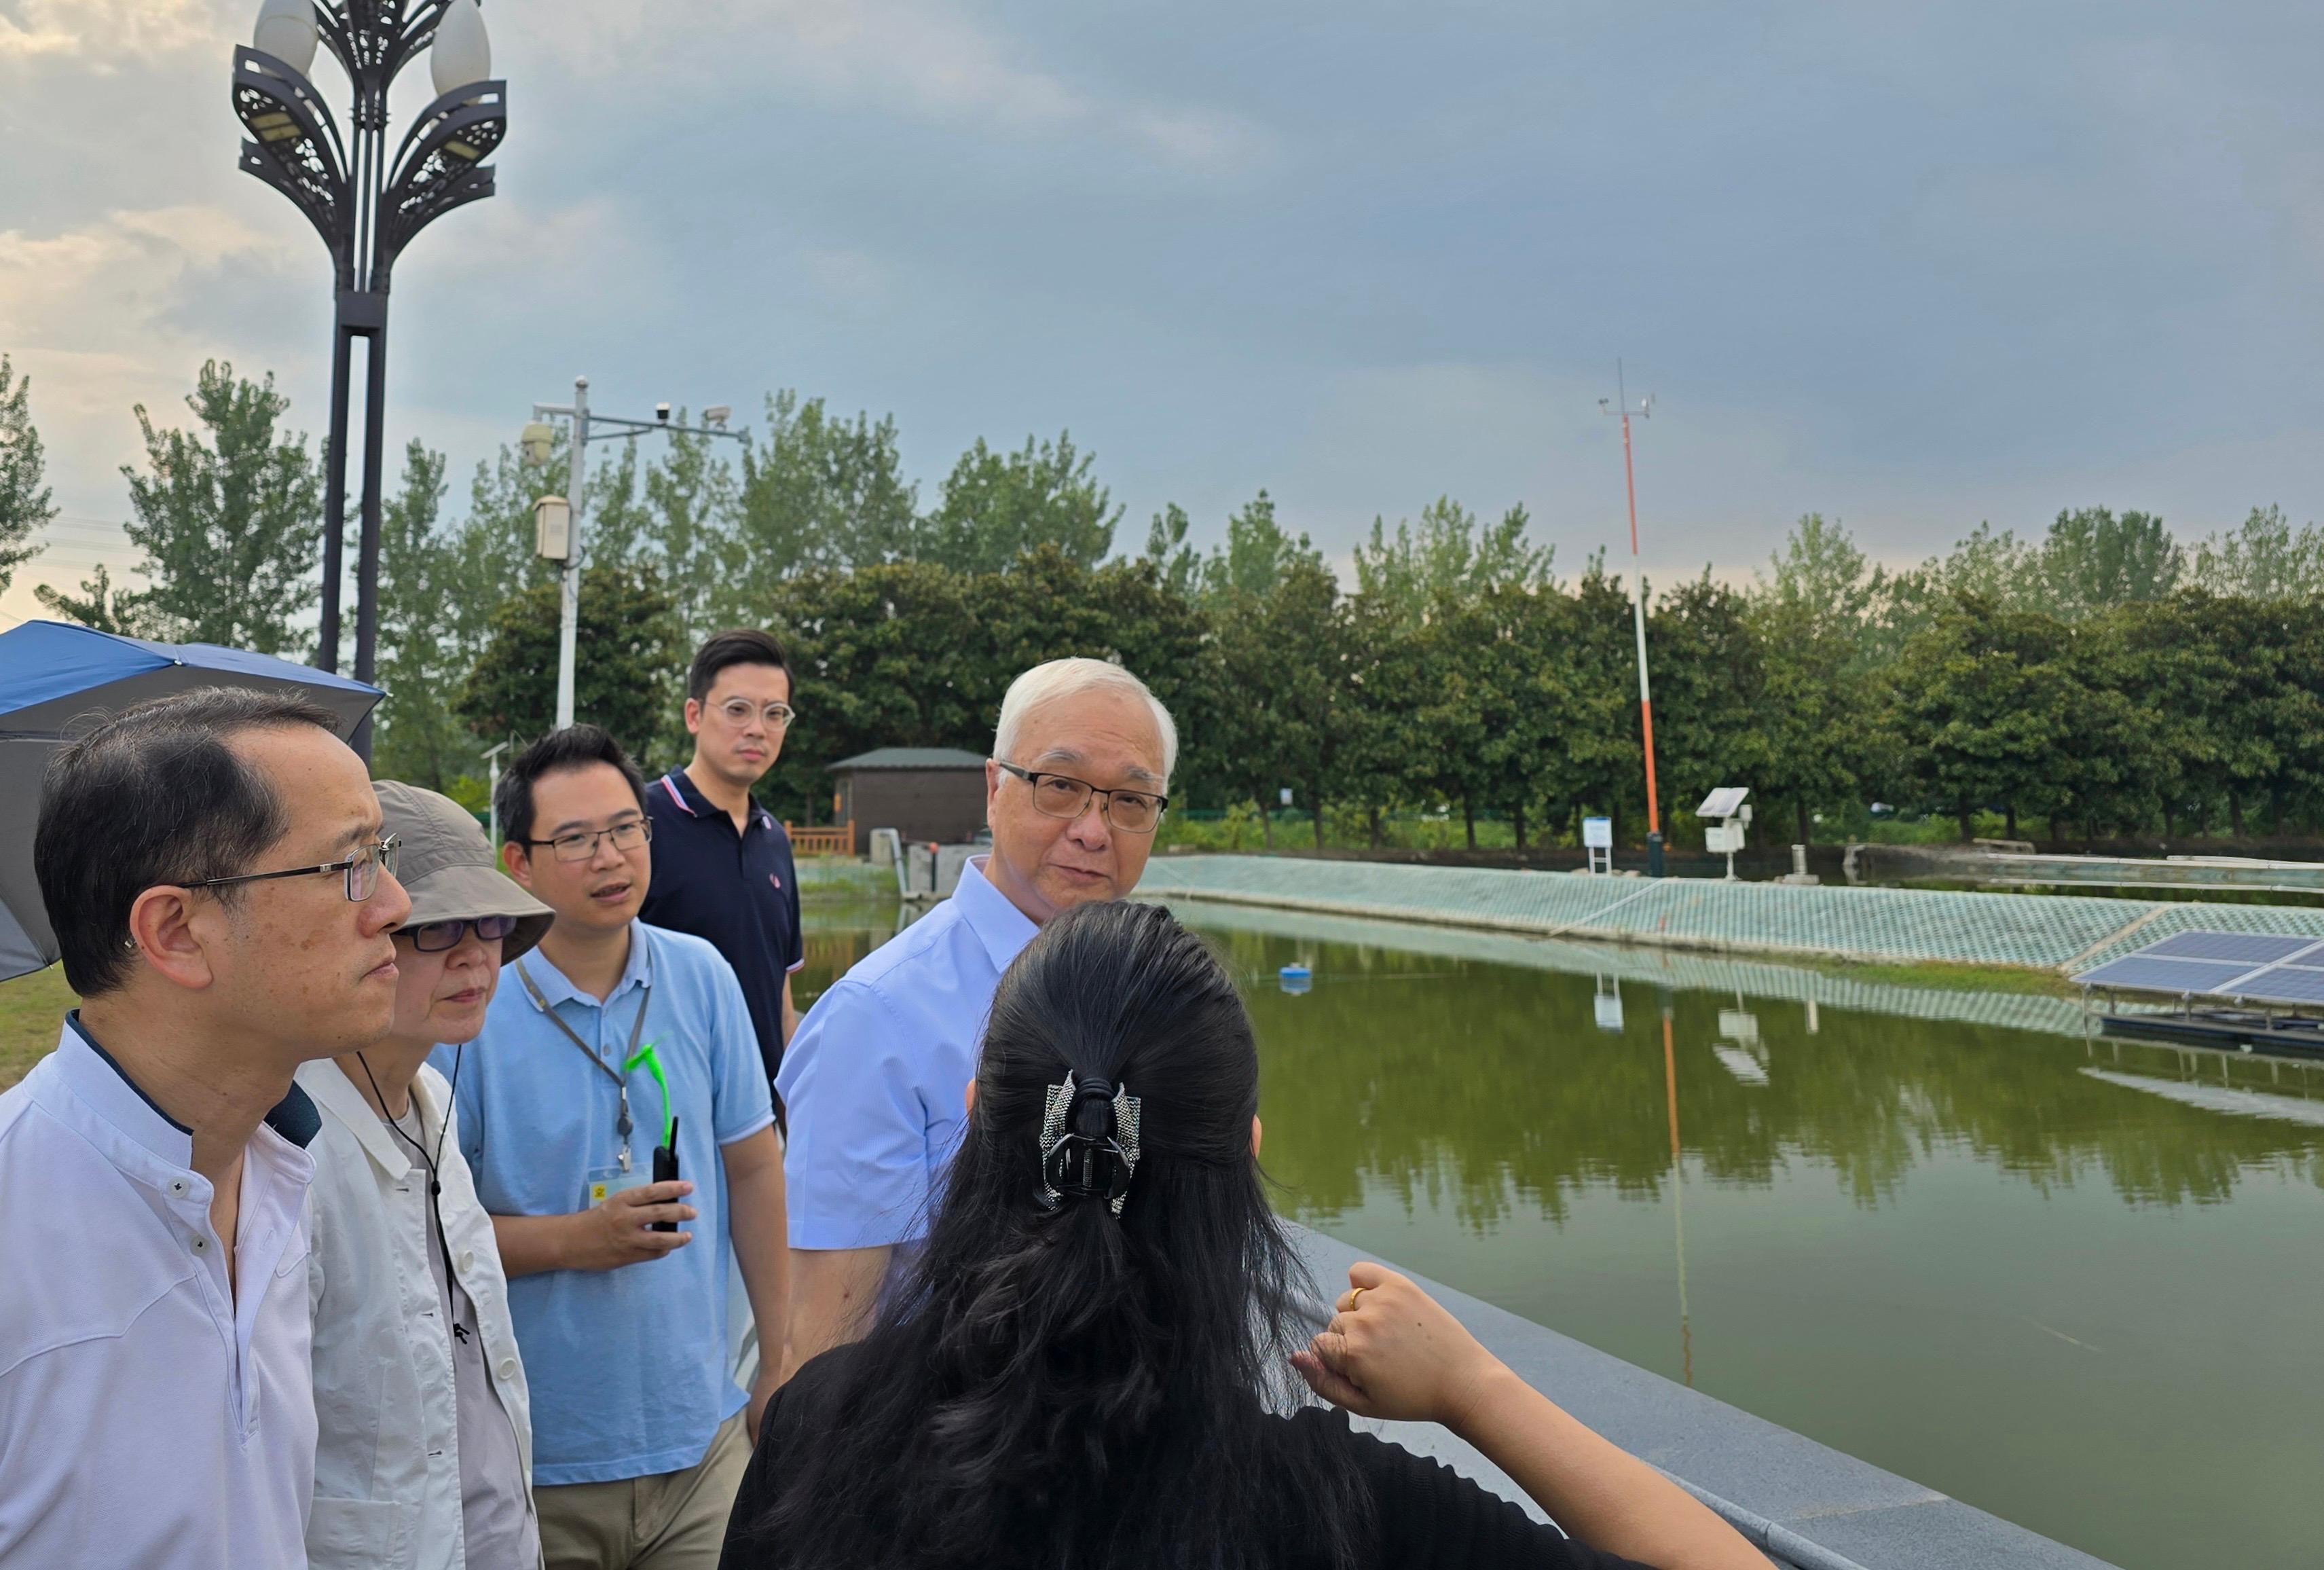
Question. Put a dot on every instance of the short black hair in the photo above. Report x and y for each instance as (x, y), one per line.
(739, 646)
(152, 797)
(574, 747)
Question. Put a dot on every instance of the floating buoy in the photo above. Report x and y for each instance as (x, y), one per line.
(1295, 978)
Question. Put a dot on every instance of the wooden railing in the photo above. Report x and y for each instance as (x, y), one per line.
(822, 841)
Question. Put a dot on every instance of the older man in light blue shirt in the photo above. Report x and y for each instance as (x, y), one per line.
(877, 1077)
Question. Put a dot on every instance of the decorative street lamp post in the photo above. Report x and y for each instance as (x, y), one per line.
(366, 205)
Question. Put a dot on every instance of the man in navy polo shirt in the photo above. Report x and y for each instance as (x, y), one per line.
(722, 864)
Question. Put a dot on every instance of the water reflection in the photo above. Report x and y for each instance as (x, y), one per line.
(1939, 1229)
(1481, 1082)
(1518, 1091)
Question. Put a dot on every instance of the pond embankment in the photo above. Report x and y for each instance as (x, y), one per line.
(2051, 933)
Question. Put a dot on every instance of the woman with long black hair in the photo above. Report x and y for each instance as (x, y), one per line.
(1090, 1363)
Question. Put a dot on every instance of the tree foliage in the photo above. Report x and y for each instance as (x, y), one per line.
(229, 518)
(628, 677)
(2100, 678)
(25, 503)
(419, 737)
(998, 505)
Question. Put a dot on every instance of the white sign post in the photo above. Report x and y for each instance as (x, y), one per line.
(1598, 843)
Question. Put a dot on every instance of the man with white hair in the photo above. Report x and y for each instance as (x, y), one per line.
(877, 1077)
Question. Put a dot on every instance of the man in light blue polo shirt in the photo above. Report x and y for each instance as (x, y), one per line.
(611, 1039)
(877, 1077)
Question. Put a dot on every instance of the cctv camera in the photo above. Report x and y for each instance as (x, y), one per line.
(717, 415)
(662, 412)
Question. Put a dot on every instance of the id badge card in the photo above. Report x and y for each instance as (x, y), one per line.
(607, 1181)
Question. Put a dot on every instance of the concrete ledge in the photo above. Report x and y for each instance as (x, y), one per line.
(1828, 1510)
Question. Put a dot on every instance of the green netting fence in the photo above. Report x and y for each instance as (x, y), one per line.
(1908, 926)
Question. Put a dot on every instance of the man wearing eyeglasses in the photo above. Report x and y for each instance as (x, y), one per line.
(723, 865)
(213, 867)
(612, 1041)
(877, 1077)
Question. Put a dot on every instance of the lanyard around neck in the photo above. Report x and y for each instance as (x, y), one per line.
(632, 1057)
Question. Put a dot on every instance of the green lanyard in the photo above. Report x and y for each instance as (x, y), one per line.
(646, 1056)
(637, 1055)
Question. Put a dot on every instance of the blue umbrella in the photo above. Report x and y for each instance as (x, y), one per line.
(53, 675)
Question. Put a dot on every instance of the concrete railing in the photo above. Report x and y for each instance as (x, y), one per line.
(1807, 1506)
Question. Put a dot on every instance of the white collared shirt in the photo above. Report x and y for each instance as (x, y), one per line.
(150, 1413)
(387, 1468)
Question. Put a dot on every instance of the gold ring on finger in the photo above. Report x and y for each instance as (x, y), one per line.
(1355, 1296)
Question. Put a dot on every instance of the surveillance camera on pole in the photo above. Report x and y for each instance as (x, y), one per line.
(557, 520)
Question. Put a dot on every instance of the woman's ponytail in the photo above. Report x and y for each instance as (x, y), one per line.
(1101, 1312)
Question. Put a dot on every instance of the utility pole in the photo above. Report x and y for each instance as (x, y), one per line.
(1638, 615)
(493, 762)
(568, 599)
(535, 444)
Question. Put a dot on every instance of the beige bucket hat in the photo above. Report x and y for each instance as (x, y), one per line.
(446, 865)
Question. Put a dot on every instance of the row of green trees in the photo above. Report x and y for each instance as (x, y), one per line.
(2102, 679)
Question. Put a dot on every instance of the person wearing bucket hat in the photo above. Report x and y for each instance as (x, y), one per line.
(424, 1456)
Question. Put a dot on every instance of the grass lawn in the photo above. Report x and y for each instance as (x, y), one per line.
(1962, 978)
(31, 1008)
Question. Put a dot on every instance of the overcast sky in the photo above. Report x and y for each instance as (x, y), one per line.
(1916, 267)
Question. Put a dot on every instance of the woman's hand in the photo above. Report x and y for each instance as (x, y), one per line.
(1392, 1351)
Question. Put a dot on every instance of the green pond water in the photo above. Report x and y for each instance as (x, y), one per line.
(2074, 1282)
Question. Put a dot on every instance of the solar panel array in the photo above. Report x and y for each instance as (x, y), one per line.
(2254, 967)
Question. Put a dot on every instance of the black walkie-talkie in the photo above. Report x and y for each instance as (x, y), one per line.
(665, 1170)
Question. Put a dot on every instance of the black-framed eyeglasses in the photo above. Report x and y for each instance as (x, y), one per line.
(363, 869)
(436, 937)
(581, 845)
(739, 710)
(1063, 796)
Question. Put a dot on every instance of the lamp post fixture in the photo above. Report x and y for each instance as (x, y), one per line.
(558, 519)
(368, 207)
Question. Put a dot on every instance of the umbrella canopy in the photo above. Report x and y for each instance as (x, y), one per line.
(52, 675)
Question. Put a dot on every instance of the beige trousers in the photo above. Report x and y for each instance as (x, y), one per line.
(674, 1520)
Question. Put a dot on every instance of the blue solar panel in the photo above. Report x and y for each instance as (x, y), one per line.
(2146, 973)
(2285, 983)
(2246, 966)
(2253, 948)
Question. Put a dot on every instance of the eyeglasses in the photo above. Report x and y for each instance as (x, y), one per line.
(363, 869)
(739, 710)
(582, 844)
(1063, 796)
(436, 937)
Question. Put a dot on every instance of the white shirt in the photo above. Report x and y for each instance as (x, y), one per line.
(149, 1415)
(387, 1468)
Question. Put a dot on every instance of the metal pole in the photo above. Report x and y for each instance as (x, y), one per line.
(568, 620)
(367, 544)
(1638, 615)
(493, 804)
(335, 499)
